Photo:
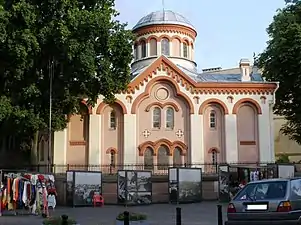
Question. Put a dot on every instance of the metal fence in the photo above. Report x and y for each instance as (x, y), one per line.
(159, 169)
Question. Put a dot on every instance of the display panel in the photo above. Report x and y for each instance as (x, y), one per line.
(286, 171)
(134, 187)
(173, 185)
(86, 184)
(189, 185)
(223, 183)
(121, 187)
(69, 188)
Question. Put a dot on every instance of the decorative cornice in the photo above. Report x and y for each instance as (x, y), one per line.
(238, 104)
(77, 143)
(162, 105)
(103, 105)
(156, 145)
(109, 150)
(166, 29)
(173, 72)
(214, 101)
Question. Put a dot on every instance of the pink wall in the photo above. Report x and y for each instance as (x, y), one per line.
(214, 137)
(112, 138)
(78, 144)
(247, 133)
(164, 94)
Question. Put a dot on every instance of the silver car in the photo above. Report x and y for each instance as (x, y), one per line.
(273, 202)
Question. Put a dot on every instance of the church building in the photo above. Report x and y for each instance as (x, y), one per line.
(172, 112)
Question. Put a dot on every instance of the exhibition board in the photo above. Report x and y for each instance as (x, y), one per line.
(185, 185)
(231, 178)
(81, 187)
(134, 187)
(282, 170)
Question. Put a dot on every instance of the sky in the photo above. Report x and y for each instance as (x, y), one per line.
(227, 30)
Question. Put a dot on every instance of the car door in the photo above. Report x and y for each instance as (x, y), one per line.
(295, 194)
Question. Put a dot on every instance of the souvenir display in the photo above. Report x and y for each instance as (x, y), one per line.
(185, 185)
(134, 187)
(33, 192)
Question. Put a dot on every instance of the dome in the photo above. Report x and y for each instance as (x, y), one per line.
(163, 17)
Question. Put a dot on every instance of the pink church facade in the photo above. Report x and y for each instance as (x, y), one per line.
(171, 113)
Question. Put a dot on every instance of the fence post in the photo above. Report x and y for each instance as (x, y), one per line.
(64, 220)
(219, 215)
(126, 220)
(178, 216)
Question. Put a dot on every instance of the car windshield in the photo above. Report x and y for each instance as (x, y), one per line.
(262, 191)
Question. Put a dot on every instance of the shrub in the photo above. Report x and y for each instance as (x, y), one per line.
(133, 216)
(57, 221)
(283, 158)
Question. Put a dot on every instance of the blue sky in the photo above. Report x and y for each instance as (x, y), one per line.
(227, 30)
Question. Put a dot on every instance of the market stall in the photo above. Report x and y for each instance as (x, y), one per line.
(27, 193)
(281, 170)
(134, 187)
(185, 185)
(231, 178)
(81, 187)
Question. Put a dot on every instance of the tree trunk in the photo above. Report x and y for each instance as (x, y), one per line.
(34, 149)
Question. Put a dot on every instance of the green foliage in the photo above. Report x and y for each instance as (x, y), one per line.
(57, 221)
(283, 158)
(77, 43)
(133, 216)
(281, 61)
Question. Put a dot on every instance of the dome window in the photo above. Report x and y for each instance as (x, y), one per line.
(165, 47)
(143, 49)
(185, 50)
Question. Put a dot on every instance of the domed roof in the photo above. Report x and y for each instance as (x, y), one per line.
(163, 17)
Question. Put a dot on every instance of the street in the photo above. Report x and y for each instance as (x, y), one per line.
(192, 214)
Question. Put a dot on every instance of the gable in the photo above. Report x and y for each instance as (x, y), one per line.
(173, 72)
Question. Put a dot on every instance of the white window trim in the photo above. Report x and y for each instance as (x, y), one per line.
(160, 118)
(110, 118)
(173, 118)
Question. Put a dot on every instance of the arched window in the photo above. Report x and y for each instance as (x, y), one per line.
(185, 50)
(113, 159)
(148, 159)
(143, 49)
(135, 52)
(165, 47)
(157, 117)
(113, 123)
(177, 159)
(162, 158)
(176, 47)
(214, 156)
(170, 118)
(153, 47)
(212, 119)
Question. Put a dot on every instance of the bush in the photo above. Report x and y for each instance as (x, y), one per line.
(133, 216)
(283, 158)
(57, 221)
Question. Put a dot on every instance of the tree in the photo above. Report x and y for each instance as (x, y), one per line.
(281, 61)
(76, 43)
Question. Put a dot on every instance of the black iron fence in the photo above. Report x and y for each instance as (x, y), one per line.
(159, 169)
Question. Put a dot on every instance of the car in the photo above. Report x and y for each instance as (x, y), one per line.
(271, 201)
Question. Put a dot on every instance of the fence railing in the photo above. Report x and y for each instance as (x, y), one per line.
(157, 169)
